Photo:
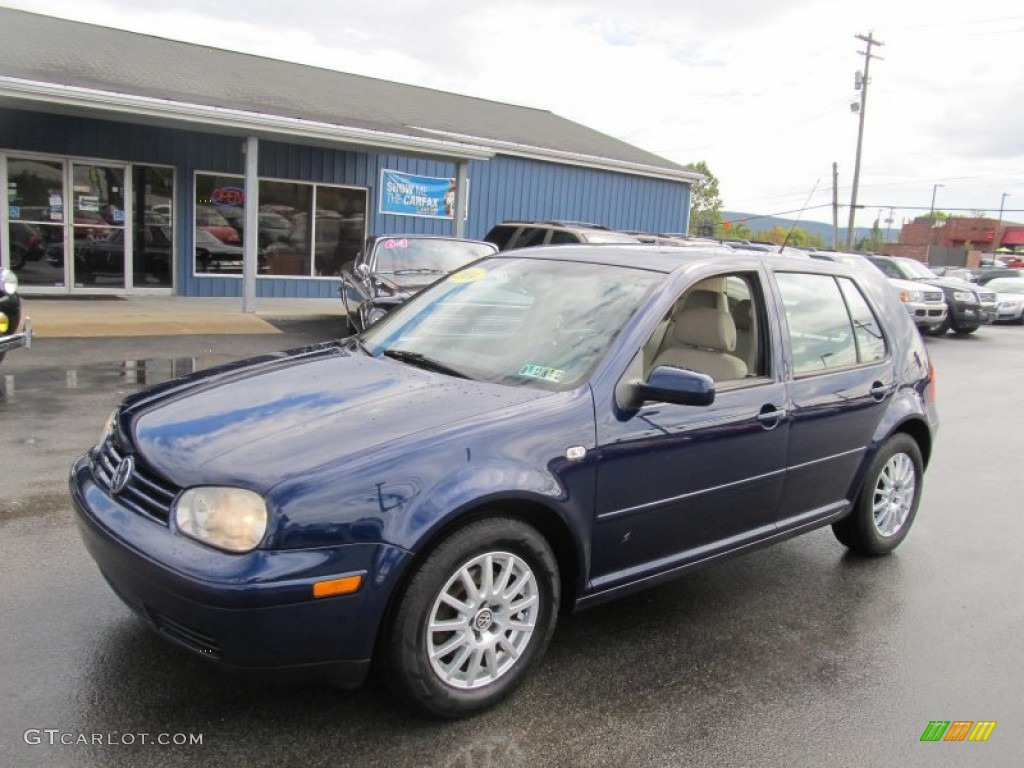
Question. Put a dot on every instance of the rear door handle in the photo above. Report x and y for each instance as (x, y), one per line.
(879, 391)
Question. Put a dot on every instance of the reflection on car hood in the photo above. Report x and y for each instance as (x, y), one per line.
(261, 424)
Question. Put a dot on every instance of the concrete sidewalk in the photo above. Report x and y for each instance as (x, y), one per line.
(79, 317)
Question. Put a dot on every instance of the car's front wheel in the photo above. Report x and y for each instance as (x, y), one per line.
(475, 617)
(887, 503)
(964, 330)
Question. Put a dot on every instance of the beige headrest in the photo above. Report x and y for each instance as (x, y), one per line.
(704, 327)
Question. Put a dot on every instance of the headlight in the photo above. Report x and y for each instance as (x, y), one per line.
(9, 281)
(964, 296)
(906, 296)
(232, 519)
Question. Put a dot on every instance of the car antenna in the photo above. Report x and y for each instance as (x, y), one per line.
(798, 217)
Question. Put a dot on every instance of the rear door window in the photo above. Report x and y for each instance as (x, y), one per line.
(820, 327)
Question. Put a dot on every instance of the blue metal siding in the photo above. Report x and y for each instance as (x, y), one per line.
(500, 189)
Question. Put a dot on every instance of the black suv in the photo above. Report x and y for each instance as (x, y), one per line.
(11, 315)
(392, 268)
(521, 234)
(965, 312)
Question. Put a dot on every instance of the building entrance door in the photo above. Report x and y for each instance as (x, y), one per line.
(97, 233)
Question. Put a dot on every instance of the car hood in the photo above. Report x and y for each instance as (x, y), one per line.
(949, 284)
(261, 423)
(907, 285)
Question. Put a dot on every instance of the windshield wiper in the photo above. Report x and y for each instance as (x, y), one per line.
(424, 271)
(422, 361)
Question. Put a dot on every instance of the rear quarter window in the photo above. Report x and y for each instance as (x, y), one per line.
(821, 329)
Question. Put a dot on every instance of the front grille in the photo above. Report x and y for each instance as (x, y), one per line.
(934, 296)
(145, 493)
(187, 636)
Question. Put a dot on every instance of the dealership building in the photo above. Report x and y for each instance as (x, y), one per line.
(132, 164)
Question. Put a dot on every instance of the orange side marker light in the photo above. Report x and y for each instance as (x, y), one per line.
(343, 586)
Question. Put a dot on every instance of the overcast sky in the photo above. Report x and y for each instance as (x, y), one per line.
(759, 90)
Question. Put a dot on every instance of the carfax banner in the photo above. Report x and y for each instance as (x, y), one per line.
(407, 195)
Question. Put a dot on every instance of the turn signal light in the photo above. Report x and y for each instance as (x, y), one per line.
(343, 586)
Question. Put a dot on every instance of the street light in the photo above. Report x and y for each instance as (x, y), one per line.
(931, 223)
(931, 213)
(999, 226)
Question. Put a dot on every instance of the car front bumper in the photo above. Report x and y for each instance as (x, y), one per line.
(17, 340)
(926, 315)
(255, 612)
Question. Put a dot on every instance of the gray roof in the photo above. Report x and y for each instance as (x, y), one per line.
(52, 54)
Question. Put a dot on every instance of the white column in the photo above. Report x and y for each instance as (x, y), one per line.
(252, 204)
(458, 222)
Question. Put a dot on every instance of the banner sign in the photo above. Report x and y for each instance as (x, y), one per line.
(404, 194)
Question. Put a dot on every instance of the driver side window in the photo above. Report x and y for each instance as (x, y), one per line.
(715, 327)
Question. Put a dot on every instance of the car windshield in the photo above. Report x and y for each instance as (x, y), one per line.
(515, 321)
(395, 255)
(1006, 285)
(915, 269)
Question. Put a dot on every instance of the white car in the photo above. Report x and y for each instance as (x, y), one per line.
(1009, 299)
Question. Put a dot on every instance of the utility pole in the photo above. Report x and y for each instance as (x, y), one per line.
(835, 206)
(863, 84)
(999, 226)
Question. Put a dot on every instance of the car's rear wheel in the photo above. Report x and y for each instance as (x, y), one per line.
(887, 503)
(475, 617)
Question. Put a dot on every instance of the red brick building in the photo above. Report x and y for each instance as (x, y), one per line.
(972, 234)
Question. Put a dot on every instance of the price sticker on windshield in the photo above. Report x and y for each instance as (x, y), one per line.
(534, 371)
(470, 275)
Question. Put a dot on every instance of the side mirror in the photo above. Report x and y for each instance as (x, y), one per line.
(678, 385)
(362, 270)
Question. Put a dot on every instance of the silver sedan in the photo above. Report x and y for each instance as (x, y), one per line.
(1009, 299)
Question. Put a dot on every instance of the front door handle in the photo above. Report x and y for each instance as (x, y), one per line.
(770, 416)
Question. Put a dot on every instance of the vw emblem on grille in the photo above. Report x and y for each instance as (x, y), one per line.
(121, 475)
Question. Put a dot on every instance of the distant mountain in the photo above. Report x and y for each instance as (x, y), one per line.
(764, 223)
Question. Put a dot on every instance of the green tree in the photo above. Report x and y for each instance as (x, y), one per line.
(706, 203)
(797, 237)
(733, 229)
(874, 241)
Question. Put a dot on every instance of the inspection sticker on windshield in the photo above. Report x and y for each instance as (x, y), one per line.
(470, 275)
(532, 371)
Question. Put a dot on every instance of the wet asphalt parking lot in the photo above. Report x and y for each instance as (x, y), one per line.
(795, 655)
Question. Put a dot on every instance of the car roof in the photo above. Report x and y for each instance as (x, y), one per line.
(669, 258)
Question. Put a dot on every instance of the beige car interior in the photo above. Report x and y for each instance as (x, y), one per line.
(707, 332)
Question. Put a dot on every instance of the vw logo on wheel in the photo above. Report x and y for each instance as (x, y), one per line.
(121, 475)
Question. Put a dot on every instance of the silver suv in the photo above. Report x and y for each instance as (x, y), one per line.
(521, 234)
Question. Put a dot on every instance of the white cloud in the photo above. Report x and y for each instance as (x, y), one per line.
(760, 91)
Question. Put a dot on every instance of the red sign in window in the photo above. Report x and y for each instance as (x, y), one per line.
(228, 196)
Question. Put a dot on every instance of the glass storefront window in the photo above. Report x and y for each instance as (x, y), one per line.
(340, 228)
(291, 240)
(284, 226)
(219, 201)
(35, 213)
(153, 244)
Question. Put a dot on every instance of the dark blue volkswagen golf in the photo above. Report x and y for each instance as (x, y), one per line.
(537, 432)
